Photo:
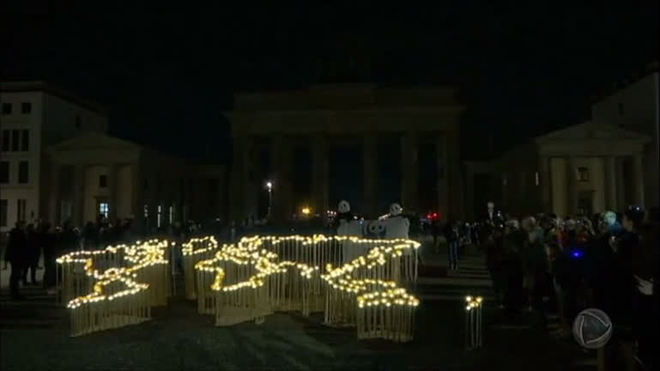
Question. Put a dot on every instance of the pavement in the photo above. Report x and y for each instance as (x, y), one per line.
(34, 335)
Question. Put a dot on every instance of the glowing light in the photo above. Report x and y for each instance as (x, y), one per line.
(251, 271)
(306, 210)
(473, 302)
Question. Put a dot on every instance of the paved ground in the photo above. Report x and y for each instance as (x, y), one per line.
(34, 335)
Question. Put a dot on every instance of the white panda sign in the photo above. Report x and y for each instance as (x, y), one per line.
(346, 224)
(375, 229)
(396, 225)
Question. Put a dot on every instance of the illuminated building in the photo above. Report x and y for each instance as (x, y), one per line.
(380, 127)
(35, 115)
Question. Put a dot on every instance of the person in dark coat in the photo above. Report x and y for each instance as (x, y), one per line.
(33, 253)
(90, 235)
(16, 256)
(49, 246)
(68, 238)
(451, 235)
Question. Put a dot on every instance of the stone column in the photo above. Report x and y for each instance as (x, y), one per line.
(280, 153)
(469, 192)
(571, 186)
(638, 172)
(137, 210)
(620, 183)
(544, 183)
(249, 191)
(320, 174)
(54, 194)
(610, 182)
(237, 179)
(409, 171)
(113, 191)
(442, 183)
(453, 174)
(370, 173)
(78, 194)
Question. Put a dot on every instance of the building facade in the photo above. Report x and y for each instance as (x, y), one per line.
(582, 169)
(95, 174)
(636, 107)
(366, 144)
(33, 116)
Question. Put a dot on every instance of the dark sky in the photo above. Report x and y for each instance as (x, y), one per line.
(167, 73)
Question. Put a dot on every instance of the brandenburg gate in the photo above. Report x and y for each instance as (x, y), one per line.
(271, 126)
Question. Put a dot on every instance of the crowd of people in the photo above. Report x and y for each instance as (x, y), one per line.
(36, 245)
(26, 245)
(545, 264)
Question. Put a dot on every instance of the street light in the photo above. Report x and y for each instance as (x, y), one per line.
(269, 187)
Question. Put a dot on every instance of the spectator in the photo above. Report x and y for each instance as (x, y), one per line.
(534, 260)
(90, 236)
(32, 255)
(68, 238)
(512, 275)
(48, 243)
(15, 255)
(452, 235)
(645, 268)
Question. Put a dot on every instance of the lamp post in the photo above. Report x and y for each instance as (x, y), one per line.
(269, 187)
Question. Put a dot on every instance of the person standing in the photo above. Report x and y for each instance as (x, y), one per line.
(534, 261)
(69, 238)
(15, 255)
(49, 245)
(90, 236)
(33, 253)
(435, 231)
(451, 235)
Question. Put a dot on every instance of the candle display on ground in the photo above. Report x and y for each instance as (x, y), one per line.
(120, 284)
(248, 280)
(263, 274)
(473, 322)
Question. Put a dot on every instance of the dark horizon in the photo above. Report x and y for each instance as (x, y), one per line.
(521, 71)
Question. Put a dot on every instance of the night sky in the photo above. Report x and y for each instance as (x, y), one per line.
(167, 73)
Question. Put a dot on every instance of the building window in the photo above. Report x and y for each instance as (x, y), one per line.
(26, 107)
(3, 213)
(159, 216)
(4, 172)
(104, 208)
(78, 122)
(20, 209)
(6, 108)
(6, 137)
(103, 181)
(23, 172)
(25, 140)
(537, 178)
(583, 174)
(15, 135)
